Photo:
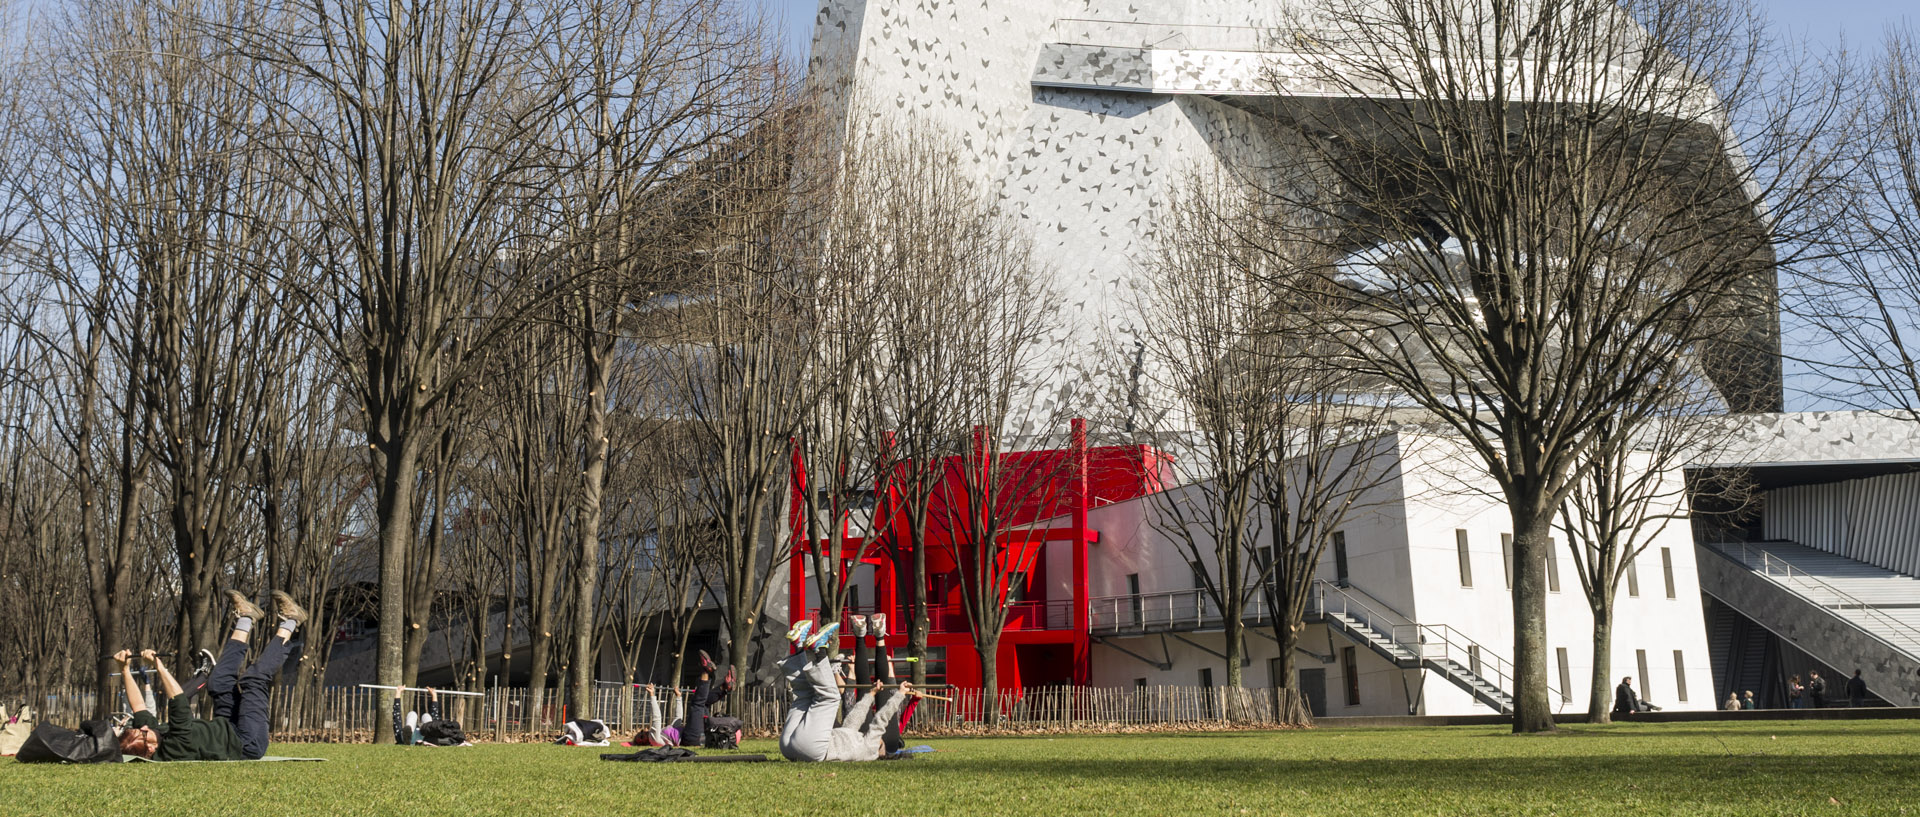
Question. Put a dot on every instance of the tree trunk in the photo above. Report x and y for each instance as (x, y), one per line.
(988, 646)
(1234, 648)
(1290, 707)
(919, 616)
(1532, 712)
(395, 509)
(587, 573)
(1599, 694)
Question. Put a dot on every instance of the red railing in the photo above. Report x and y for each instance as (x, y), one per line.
(1026, 616)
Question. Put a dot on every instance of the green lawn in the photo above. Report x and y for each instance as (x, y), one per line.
(1868, 767)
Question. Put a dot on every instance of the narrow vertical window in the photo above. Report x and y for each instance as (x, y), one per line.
(1566, 675)
(1350, 667)
(1679, 675)
(1466, 564)
(1199, 575)
(1646, 681)
(1138, 605)
(1340, 558)
(1666, 567)
(1553, 566)
(1633, 577)
(1206, 677)
(1506, 553)
(1473, 659)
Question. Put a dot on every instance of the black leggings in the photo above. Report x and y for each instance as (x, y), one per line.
(865, 665)
(705, 695)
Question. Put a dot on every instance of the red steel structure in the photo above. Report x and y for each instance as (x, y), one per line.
(1038, 502)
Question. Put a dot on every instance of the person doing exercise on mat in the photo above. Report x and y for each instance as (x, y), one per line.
(238, 728)
(808, 734)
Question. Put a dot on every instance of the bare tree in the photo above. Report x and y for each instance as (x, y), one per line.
(1275, 452)
(994, 500)
(1514, 181)
(1866, 306)
(409, 131)
(661, 83)
(731, 366)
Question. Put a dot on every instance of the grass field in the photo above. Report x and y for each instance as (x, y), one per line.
(1803, 767)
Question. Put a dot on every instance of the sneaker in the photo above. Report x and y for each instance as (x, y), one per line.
(726, 684)
(203, 662)
(859, 626)
(285, 607)
(798, 634)
(706, 661)
(245, 608)
(825, 637)
(878, 624)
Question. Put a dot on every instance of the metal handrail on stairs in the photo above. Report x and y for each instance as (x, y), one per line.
(1429, 643)
(1774, 567)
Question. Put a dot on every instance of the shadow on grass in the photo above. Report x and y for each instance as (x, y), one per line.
(1733, 776)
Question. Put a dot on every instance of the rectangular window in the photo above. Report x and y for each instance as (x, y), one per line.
(1633, 577)
(1340, 558)
(1350, 667)
(1666, 567)
(1553, 566)
(1139, 683)
(1139, 606)
(853, 599)
(1466, 565)
(1206, 677)
(1566, 675)
(1473, 659)
(1506, 552)
(1646, 681)
(1199, 575)
(1679, 675)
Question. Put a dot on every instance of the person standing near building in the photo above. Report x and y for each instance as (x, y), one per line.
(1817, 689)
(1856, 690)
(1796, 693)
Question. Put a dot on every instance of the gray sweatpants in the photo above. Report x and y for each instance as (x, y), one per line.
(807, 733)
(863, 738)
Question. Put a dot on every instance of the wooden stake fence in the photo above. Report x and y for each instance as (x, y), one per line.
(351, 714)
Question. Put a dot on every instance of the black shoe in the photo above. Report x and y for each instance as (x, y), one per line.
(706, 662)
(203, 662)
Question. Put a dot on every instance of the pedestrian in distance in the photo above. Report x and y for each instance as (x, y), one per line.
(1856, 690)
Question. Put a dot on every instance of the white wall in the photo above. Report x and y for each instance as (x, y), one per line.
(1402, 551)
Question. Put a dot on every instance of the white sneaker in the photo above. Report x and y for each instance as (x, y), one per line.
(859, 626)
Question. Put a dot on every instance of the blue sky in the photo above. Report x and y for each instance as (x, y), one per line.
(1820, 21)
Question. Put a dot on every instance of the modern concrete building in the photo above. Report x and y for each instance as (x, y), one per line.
(1081, 116)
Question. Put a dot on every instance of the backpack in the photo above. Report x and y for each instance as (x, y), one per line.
(93, 743)
(442, 733)
(723, 733)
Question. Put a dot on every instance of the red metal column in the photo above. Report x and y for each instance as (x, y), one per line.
(1082, 609)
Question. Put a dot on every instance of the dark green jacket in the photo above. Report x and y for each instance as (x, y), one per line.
(185, 737)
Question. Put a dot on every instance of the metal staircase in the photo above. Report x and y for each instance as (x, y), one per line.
(1359, 617)
(1412, 645)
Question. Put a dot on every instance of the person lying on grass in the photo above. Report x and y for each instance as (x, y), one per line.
(238, 728)
(654, 734)
(808, 734)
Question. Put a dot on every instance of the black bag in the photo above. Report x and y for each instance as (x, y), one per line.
(723, 733)
(94, 743)
(442, 733)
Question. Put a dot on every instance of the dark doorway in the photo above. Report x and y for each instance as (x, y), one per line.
(1313, 687)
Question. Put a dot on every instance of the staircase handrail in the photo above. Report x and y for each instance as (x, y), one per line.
(1426, 637)
(1768, 564)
